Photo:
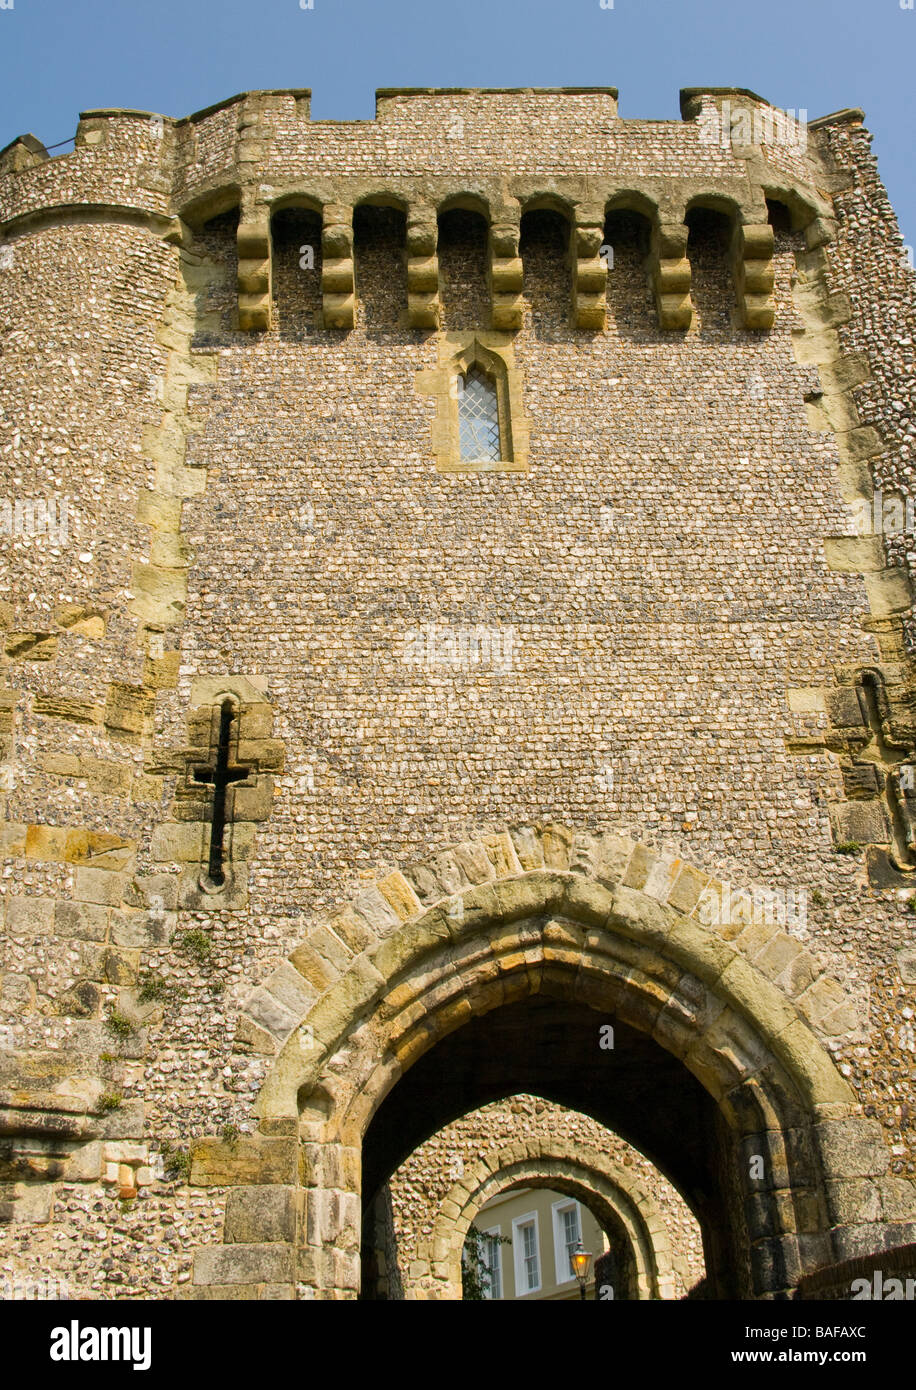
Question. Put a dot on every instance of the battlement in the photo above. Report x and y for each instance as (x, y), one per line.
(499, 151)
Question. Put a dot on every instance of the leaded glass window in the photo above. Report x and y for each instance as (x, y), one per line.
(478, 416)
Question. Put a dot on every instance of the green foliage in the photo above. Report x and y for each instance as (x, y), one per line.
(153, 989)
(196, 944)
(109, 1100)
(116, 1023)
(177, 1162)
(847, 847)
(475, 1277)
(817, 897)
(910, 904)
(230, 1134)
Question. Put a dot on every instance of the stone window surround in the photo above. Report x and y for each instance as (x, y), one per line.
(493, 352)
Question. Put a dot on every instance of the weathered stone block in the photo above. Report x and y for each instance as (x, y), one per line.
(244, 1264)
(140, 930)
(260, 1215)
(27, 916)
(852, 1148)
(249, 1160)
(98, 886)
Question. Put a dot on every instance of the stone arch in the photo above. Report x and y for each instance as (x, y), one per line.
(465, 201)
(455, 898)
(296, 222)
(803, 206)
(712, 200)
(547, 252)
(713, 221)
(633, 200)
(548, 202)
(600, 922)
(547, 247)
(464, 229)
(408, 1228)
(296, 198)
(380, 260)
(383, 198)
(582, 1171)
(631, 230)
(212, 203)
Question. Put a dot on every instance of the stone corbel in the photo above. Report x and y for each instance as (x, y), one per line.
(506, 276)
(254, 276)
(338, 286)
(423, 304)
(752, 250)
(671, 275)
(589, 287)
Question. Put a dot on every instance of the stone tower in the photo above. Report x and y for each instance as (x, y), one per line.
(457, 613)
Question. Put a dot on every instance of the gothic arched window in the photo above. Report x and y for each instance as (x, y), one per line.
(478, 416)
(480, 424)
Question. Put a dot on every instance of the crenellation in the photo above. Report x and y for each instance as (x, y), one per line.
(244, 152)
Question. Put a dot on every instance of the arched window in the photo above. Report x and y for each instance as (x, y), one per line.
(480, 424)
(478, 416)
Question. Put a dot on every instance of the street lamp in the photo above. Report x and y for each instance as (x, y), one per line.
(581, 1262)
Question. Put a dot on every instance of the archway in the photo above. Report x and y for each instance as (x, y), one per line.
(711, 222)
(608, 1206)
(464, 266)
(411, 1224)
(380, 264)
(545, 254)
(545, 929)
(297, 259)
(628, 230)
(549, 1147)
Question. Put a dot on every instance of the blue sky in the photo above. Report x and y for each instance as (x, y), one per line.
(176, 56)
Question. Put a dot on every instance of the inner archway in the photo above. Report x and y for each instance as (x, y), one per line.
(552, 1046)
(531, 1211)
(418, 1223)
